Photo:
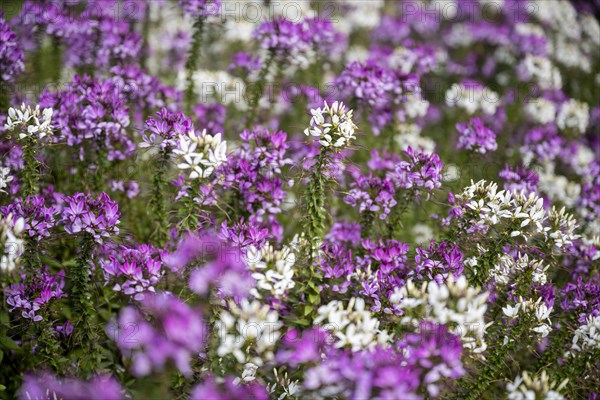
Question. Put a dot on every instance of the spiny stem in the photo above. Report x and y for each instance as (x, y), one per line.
(259, 88)
(157, 202)
(192, 210)
(31, 169)
(191, 64)
(316, 214)
(83, 305)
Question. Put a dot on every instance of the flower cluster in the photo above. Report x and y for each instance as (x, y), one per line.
(30, 298)
(200, 154)
(134, 270)
(27, 121)
(178, 332)
(332, 125)
(11, 55)
(98, 217)
(476, 136)
(11, 230)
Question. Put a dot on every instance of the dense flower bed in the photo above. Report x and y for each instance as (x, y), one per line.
(223, 199)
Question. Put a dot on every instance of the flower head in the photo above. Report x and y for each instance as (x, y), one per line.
(332, 125)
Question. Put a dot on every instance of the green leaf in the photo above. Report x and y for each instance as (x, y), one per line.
(308, 309)
(301, 321)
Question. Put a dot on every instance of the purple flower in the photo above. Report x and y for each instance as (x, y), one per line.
(211, 117)
(177, 333)
(92, 115)
(96, 216)
(220, 266)
(519, 179)
(48, 386)
(200, 8)
(133, 270)
(39, 219)
(163, 131)
(476, 136)
(422, 170)
(32, 295)
(11, 56)
(437, 262)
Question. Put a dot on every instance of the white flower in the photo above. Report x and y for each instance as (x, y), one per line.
(511, 312)
(586, 337)
(526, 387)
(472, 98)
(27, 121)
(200, 154)
(5, 178)
(573, 115)
(10, 241)
(332, 125)
(272, 269)
(541, 111)
(353, 326)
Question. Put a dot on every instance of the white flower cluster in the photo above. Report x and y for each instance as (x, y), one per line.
(217, 86)
(249, 332)
(541, 71)
(11, 242)
(410, 135)
(332, 125)
(272, 269)
(456, 304)
(541, 111)
(361, 15)
(5, 178)
(536, 309)
(27, 121)
(587, 336)
(201, 154)
(573, 115)
(557, 187)
(508, 267)
(526, 214)
(525, 387)
(473, 99)
(352, 325)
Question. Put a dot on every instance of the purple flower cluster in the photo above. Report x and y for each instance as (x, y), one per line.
(475, 136)
(39, 219)
(163, 130)
(177, 333)
(200, 8)
(98, 217)
(210, 117)
(219, 265)
(437, 262)
(134, 270)
(372, 194)
(253, 174)
(293, 41)
(93, 115)
(421, 171)
(143, 91)
(11, 56)
(49, 386)
(422, 360)
(519, 179)
(32, 296)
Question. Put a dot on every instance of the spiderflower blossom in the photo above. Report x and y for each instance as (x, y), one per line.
(200, 154)
(134, 270)
(11, 242)
(476, 136)
(27, 121)
(49, 386)
(11, 55)
(98, 217)
(333, 126)
(29, 298)
(176, 333)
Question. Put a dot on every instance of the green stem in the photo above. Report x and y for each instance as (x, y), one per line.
(316, 214)
(191, 64)
(192, 211)
(258, 89)
(83, 306)
(157, 202)
(31, 169)
(48, 348)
